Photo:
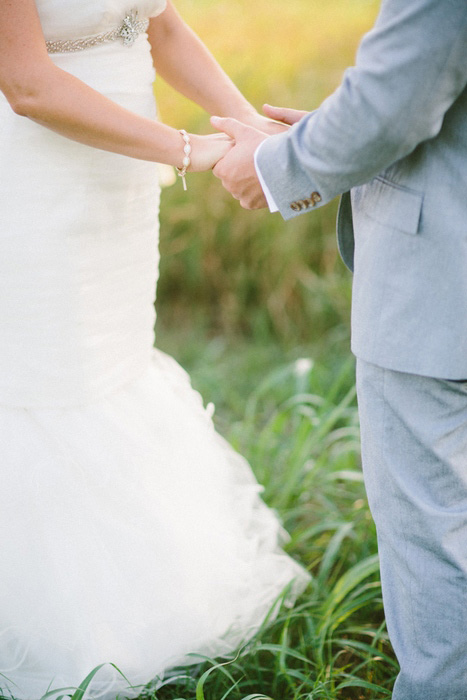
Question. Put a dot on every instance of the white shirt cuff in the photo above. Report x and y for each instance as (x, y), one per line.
(269, 198)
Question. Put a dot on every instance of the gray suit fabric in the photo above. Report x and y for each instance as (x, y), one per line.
(417, 490)
(395, 134)
(393, 141)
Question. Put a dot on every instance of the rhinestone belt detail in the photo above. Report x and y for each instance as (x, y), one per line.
(128, 31)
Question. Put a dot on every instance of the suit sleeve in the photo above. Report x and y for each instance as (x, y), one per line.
(410, 69)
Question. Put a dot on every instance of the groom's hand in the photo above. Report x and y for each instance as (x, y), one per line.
(284, 114)
(237, 169)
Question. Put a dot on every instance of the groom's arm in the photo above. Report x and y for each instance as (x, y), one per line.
(410, 69)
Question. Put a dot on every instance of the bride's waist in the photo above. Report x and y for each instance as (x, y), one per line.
(124, 74)
(58, 366)
(66, 339)
(111, 67)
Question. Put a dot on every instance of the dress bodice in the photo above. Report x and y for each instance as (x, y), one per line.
(70, 19)
(78, 228)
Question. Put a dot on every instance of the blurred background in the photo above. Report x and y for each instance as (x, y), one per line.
(258, 312)
(237, 275)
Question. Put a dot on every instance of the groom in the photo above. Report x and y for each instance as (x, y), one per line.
(393, 140)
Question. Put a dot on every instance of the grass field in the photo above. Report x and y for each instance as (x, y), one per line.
(296, 421)
(258, 311)
(243, 297)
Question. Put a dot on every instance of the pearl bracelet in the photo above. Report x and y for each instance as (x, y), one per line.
(186, 160)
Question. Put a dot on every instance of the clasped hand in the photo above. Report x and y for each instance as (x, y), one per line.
(230, 154)
(236, 169)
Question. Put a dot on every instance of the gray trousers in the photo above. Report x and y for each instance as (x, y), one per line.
(414, 452)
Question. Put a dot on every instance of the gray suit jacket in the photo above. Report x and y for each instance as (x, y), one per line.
(394, 134)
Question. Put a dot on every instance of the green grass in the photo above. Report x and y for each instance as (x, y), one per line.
(297, 424)
(243, 297)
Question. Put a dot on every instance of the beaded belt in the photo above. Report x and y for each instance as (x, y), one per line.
(128, 31)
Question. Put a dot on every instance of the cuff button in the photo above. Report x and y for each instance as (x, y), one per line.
(315, 198)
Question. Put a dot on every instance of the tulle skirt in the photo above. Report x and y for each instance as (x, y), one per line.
(136, 537)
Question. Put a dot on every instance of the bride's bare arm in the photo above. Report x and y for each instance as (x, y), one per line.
(182, 59)
(41, 91)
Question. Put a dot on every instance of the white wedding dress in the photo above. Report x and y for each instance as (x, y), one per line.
(130, 532)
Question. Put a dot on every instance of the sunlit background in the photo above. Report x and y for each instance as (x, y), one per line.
(237, 273)
(258, 311)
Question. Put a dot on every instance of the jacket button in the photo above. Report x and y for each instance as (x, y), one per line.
(315, 198)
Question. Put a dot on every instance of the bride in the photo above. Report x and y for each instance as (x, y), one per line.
(130, 531)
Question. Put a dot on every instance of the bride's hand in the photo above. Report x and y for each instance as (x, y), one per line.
(206, 151)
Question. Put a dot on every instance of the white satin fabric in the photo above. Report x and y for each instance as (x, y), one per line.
(130, 532)
(78, 246)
